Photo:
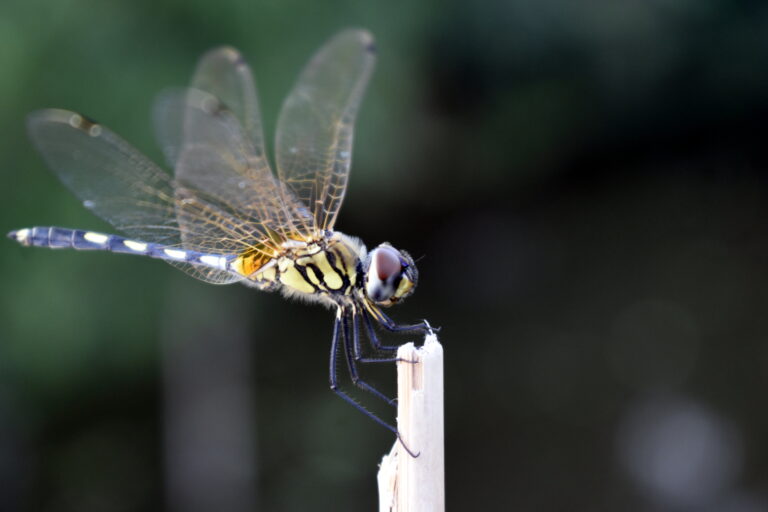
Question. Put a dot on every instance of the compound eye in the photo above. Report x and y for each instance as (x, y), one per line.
(384, 273)
(386, 262)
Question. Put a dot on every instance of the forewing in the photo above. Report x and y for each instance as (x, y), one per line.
(315, 127)
(223, 73)
(207, 274)
(123, 187)
(218, 159)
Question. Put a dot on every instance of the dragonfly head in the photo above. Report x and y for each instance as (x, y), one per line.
(390, 275)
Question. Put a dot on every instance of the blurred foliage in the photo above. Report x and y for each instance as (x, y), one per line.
(586, 183)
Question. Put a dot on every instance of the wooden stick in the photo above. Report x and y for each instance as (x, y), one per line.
(417, 484)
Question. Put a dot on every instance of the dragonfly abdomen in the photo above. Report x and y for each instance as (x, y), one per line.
(63, 238)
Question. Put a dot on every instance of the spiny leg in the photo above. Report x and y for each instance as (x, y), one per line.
(374, 339)
(348, 351)
(335, 386)
(374, 342)
(391, 326)
(334, 379)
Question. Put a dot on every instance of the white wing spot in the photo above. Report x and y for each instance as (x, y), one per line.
(135, 246)
(344, 154)
(176, 255)
(88, 204)
(96, 238)
(209, 105)
(94, 131)
(75, 120)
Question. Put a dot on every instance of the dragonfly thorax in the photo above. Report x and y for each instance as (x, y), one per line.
(326, 270)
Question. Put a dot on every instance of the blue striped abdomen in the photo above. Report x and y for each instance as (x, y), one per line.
(63, 238)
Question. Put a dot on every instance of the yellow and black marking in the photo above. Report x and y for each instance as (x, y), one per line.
(326, 267)
(249, 262)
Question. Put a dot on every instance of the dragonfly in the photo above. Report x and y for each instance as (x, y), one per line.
(225, 216)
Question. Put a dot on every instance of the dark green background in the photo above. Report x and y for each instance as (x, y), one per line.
(586, 183)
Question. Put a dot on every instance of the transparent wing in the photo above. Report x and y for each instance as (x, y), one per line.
(211, 134)
(130, 192)
(223, 73)
(314, 131)
(209, 275)
(218, 160)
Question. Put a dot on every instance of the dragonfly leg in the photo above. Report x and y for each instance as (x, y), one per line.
(375, 343)
(337, 334)
(374, 339)
(333, 378)
(391, 326)
(349, 348)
